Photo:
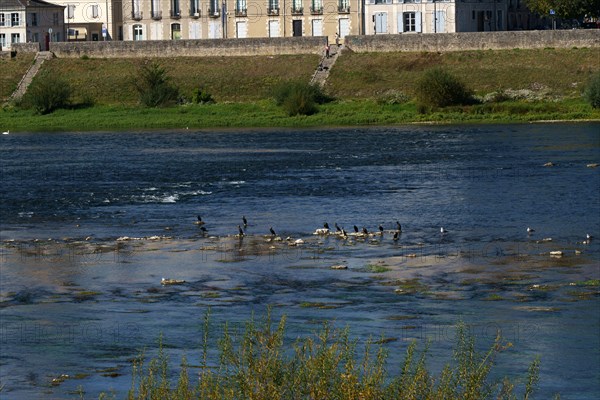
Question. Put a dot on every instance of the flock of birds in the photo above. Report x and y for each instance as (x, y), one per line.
(340, 231)
(325, 230)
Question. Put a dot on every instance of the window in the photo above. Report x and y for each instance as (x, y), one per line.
(175, 11)
(95, 11)
(273, 7)
(156, 14)
(1, 19)
(344, 6)
(297, 7)
(34, 20)
(175, 31)
(55, 19)
(136, 13)
(70, 11)
(240, 7)
(409, 22)
(213, 7)
(194, 8)
(317, 7)
(14, 19)
(138, 32)
(2, 39)
(499, 25)
(15, 37)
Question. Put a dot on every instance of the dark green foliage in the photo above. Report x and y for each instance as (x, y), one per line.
(48, 93)
(201, 97)
(300, 98)
(154, 87)
(592, 91)
(438, 88)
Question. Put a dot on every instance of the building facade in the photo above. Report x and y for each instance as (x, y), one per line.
(23, 21)
(93, 20)
(435, 16)
(216, 19)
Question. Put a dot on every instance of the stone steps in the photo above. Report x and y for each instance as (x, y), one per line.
(30, 74)
(322, 72)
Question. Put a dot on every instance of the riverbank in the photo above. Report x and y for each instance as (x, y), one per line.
(517, 86)
(266, 114)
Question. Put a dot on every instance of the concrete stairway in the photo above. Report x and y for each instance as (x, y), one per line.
(30, 74)
(322, 72)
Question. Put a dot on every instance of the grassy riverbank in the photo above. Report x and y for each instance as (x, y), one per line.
(266, 114)
(548, 84)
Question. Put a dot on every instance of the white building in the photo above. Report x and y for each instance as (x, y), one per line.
(93, 20)
(434, 16)
(24, 21)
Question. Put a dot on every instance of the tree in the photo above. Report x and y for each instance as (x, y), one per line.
(154, 86)
(566, 8)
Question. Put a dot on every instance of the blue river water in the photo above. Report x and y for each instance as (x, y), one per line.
(91, 223)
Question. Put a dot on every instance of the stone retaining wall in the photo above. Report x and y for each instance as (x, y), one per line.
(25, 47)
(443, 42)
(190, 48)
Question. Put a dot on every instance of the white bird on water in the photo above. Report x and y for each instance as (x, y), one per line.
(442, 230)
(6, 133)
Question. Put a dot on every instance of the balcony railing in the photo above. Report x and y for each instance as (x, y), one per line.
(241, 12)
(195, 14)
(175, 14)
(273, 11)
(156, 15)
(214, 12)
(318, 10)
(137, 15)
(344, 9)
(296, 10)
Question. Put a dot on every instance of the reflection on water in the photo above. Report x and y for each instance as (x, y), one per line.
(91, 223)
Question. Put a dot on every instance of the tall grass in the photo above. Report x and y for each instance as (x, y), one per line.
(260, 364)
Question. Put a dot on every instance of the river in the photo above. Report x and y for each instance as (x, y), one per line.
(91, 223)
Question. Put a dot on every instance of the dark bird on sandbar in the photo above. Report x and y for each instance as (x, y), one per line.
(344, 234)
(203, 229)
(355, 229)
(272, 231)
(399, 226)
(396, 236)
(326, 225)
(365, 231)
(199, 220)
(245, 221)
(337, 228)
(240, 231)
(381, 229)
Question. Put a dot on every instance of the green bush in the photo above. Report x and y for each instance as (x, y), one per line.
(300, 97)
(48, 93)
(154, 87)
(592, 91)
(438, 88)
(201, 97)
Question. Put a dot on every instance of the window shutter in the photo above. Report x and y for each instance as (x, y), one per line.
(418, 22)
(400, 23)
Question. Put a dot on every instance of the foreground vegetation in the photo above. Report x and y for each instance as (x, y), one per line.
(259, 364)
(363, 89)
